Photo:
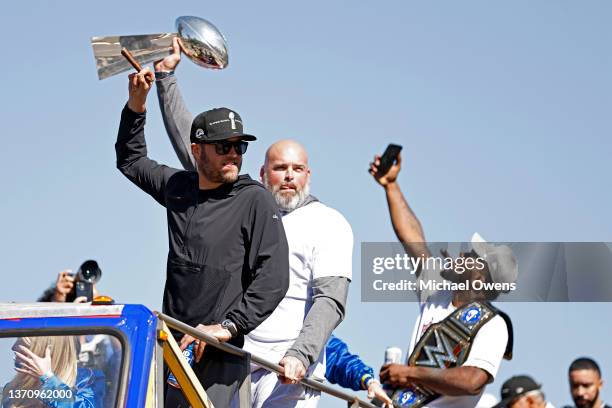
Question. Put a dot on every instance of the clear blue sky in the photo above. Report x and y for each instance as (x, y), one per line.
(503, 109)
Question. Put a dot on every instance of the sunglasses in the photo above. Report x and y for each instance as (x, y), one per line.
(222, 148)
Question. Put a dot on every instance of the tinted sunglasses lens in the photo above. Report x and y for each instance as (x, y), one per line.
(241, 147)
(223, 148)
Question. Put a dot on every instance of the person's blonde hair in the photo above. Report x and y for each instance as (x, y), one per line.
(63, 365)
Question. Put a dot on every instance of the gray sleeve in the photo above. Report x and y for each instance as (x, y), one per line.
(327, 311)
(177, 119)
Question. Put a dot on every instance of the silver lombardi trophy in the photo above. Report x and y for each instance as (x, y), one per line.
(200, 40)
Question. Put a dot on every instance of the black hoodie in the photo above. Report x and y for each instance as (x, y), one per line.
(228, 255)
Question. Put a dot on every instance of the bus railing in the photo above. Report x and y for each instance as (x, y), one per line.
(244, 392)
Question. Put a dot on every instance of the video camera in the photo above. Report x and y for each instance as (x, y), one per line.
(88, 274)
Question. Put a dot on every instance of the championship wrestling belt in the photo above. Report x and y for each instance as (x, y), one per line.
(446, 344)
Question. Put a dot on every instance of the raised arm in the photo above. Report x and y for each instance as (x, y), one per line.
(176, 116)
(405, 223)
(131, 148)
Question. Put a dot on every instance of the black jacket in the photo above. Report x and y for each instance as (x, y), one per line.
(228, 255)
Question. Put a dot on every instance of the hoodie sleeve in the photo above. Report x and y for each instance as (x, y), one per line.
(268, 258)
(132, 160)
(343, 368)
(177, 119)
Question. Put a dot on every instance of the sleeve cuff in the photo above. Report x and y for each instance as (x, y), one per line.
(131, 114)
(483, 365)
(299, 356)
(365, 381)
(159, 75)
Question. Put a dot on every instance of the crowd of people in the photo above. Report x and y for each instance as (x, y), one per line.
(585, 384)
(266, 266)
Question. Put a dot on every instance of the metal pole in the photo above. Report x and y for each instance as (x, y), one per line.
(228, 348)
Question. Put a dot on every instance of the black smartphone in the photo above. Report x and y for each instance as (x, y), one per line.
(388, 158)
(84, 288)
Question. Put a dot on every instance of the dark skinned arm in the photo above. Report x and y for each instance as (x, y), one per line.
(464, 380)
(405, 223)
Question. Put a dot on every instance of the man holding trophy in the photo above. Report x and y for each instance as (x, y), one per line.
(320, 261)
(227, 263)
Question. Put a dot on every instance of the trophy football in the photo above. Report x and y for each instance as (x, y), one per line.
(200, 41)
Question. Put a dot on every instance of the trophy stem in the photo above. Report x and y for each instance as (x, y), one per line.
(143, 48)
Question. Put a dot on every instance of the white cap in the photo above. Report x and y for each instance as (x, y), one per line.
(500, 259)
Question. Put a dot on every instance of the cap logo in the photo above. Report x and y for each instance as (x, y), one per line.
(231, 118)
(199, 133)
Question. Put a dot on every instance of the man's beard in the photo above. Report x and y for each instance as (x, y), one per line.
(217, 175)
(588, 403)
(286, 201)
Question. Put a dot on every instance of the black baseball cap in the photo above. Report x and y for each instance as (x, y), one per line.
(515, 387)
(217, 124)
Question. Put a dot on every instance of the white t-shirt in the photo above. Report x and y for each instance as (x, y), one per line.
(320, 245)
(487, 350)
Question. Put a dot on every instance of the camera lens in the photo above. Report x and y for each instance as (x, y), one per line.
(90, 271)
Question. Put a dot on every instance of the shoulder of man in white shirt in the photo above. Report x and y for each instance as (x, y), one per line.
(326, 214)
(332, 240)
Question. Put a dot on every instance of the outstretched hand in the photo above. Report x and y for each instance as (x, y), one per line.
(391, 176)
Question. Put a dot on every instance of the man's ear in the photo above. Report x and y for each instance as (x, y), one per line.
(195, 149)
(261, 174)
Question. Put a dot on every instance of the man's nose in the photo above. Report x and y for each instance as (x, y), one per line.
(289, 174)
(232, 153)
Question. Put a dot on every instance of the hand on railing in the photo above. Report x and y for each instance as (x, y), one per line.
(214, 330)
(229, 348)
(293, 370)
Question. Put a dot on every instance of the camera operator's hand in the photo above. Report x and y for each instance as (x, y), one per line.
(63, 285)
(170, 63)
(139, 86)
(31, 364)
(80, 299)
(391, 176)
(215, 330)
(293, 370)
